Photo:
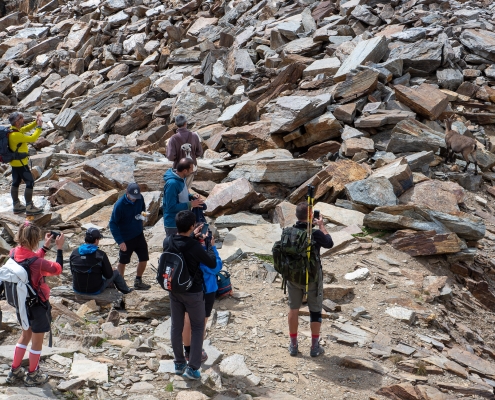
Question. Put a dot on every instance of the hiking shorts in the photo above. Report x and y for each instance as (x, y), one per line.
(136, 245)
(40, 317)
(315, 294)
(209, 301)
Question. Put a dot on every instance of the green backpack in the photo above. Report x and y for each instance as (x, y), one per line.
(290, 257)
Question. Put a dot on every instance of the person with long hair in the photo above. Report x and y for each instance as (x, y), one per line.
(39, 315)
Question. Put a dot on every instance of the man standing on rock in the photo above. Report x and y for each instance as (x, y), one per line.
(126, 225)
(296, 291)
(18, 141)
(184, 144)
(176, 196)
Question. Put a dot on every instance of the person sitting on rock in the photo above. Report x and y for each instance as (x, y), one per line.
(91, 270)
(176, 196)
(296, 291)
(184, 144)
(126, 225)
(18, 141)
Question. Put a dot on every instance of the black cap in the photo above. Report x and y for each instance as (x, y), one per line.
(93, 233)
(133, 191)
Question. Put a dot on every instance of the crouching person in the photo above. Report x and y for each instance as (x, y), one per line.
(91, 270)
(33, 307)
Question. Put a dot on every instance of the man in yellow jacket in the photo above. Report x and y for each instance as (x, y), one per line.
(18, 141)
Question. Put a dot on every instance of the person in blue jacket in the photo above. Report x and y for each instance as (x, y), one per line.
(126, 225)
(176, 196)
(210, 288)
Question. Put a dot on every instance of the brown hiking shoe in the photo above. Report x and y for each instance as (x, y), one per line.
(19, 208)
(32, 210)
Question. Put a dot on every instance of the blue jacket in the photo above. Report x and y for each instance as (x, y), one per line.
(174, 186)
(210, 275)
(123, 223)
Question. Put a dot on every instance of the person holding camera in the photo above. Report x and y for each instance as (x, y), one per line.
(210, 289)
(39, 315)
(314, 293)
(18, 143)
(192, 301)
(91, 270)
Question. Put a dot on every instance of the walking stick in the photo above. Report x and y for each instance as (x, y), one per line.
(311, 191)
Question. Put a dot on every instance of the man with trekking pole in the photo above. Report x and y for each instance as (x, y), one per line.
(297, 258)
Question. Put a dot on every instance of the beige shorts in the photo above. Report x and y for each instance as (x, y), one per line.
(315, 294)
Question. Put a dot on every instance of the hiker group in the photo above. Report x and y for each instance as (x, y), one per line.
(189, 268)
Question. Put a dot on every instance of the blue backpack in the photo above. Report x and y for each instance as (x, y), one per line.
(7, 155)
(224, 285)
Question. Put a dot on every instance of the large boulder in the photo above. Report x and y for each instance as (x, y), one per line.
(109, 171)
(288, 172)
(231, 197)
(239, 114)
(330, 182)
(256, 135)
(372, 192)
(290, 112)
(464, 225)
(438, 195)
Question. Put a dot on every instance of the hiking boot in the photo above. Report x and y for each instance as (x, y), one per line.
(140, 285)
(32, 210)
(15, 374)
(293, 350)
(204, 356)
(179, 368)
(192, 374)
(316, 351)
(128, 291)
(35, 378)
(19, 208)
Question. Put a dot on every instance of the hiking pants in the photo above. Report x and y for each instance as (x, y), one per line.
(20, 174)
(194, 305)
(117, 280)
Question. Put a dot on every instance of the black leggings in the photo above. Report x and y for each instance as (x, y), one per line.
(20, 174)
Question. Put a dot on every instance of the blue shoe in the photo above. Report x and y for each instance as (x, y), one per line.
(193, 374)
(180, 368)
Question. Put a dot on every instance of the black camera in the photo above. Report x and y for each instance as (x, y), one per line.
(55, 234)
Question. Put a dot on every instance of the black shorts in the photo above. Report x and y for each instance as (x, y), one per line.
(136, 245)
(40, 317)
(209, 300)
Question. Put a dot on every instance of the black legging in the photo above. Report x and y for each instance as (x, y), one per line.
(20, 174)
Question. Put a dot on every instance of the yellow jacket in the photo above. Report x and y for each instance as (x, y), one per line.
(19, 136)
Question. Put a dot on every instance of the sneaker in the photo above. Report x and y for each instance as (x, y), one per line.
(128, 291)
(204, 356)
(316, 351)
(192, 374)
(32, 210)
(35, 378)
(15, 374)
(140, 285)
(179, 368)
(19, 208)
(293, 350)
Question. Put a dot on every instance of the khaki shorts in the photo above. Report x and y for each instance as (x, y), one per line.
(315, 294)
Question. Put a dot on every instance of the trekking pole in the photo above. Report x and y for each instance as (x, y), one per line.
(311, 193)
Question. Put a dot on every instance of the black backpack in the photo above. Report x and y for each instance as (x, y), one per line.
(7, 155)
(10, 288)
(173, 274)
